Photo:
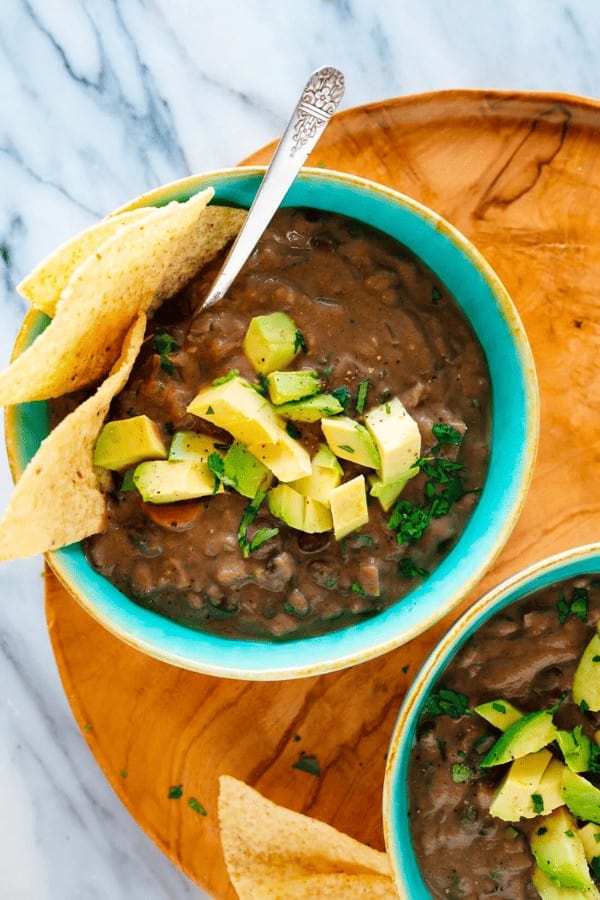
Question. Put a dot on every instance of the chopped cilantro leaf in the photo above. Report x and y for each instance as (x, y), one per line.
(346, 447)
(299, 342)
(357, 588)
(542, 830)
(460, 773)
(293, 430)
(225, 378)
(499, 707)
(409, 521)
(164, 345)
(576, 606)
(248, 518)
(569, 833)
(308, 764)
(584, 706)
(436, 295)
(342, 395)
(409, 568)
(438, 470)
(442, 748)
(217, 467)
(175, 791)
(210, 411)
(446, 702)
(196, 806)
(361, 397)
(128, 483)
(595, 866)
(538, 804)
(446, 434)
(261, 537)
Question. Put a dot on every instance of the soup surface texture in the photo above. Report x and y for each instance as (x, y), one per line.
(367, 312)
(527, 654)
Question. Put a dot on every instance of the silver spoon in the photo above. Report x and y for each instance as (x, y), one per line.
(319, 100)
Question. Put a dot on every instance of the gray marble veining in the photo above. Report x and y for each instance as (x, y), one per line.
(101, 100)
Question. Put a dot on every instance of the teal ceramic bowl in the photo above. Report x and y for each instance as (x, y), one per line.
(514, 440)
(407, 875)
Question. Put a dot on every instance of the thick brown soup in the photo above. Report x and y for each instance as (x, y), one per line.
(527, 654)
(366, 309)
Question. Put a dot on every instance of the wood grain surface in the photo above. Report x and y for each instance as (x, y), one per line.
(520, 176)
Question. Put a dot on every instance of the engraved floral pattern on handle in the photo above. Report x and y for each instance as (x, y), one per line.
(319, 101)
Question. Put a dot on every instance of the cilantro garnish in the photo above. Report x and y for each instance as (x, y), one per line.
(196, 806)
(128, 483)
(175, 791)
(293, 430)
(248, 518)
(576, 606)
(225, 378)
(460, 773)
(299, 342)
(346, 447)
(445, 435)
(308, 764)
(542, 830)
(438, 470)
(217, 467)
(436, 295)
(538, 804)
(409, 521)
(361, 397)
(261, 537)
(357, 588)
(442, 748)
(594, 763)
(342, 395)
(409, 569)
(499, 707)
(595, 867)
(446, 702)
(164, 345)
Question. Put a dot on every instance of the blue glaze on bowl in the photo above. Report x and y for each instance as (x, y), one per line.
(514, 436)
(407, 875)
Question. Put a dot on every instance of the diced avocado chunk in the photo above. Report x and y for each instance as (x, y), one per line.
(549, 790)
(397, 438)
(247, 473)
(311, 409)
(527, 735)
(551, 890)
(287, 459)
(558, 850)
(126, 442)
(512, 797)
(322, 480)
(581, 796)
(325, 459)
(167, 481)
(193, 446)
(349, 506)
(297, 511)
(350, 440)
(499, 713)
(238, 408)
(590, 836)
(586, 680)
(576, 747)
(387, 492)
(285, 387)
(271, 342)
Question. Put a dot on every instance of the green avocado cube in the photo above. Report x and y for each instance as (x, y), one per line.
(284, 387)
(348, 504)
(581, 796)
(193, 446)
(548, 791)
(301, 513)
(287, 458)
(548, 889)
(397, 438)
(558, 850)
(576, 747)
(238, 408)
(126, 442)
(387, 492)
(586, 680)
(247, 474)
(350, 440)
(499, 713)
(590, 835)
(528, 734)
(322, 480)
(271, 342)
(311, 409)
(168, 481)
(512, 797)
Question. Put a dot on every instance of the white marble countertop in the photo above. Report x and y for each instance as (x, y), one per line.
(101, 100)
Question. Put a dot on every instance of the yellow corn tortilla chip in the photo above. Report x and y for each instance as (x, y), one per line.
(57, 499)
(45, 284)
(134, 271)
(266, 845)
(329, 887)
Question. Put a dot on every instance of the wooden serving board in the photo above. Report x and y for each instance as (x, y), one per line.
(519, 174)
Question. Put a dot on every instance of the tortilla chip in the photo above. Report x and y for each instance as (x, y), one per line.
(57, 499)
(45, 284)
(266, 846)
(329, 887)
(135, 270)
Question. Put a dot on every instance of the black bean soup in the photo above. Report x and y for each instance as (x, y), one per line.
(366, 310)
(526, 654)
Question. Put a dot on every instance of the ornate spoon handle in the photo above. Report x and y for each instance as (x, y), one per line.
(320, 98)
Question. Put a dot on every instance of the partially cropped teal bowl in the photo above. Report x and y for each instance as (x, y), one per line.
(396, 811)
(515, 415)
